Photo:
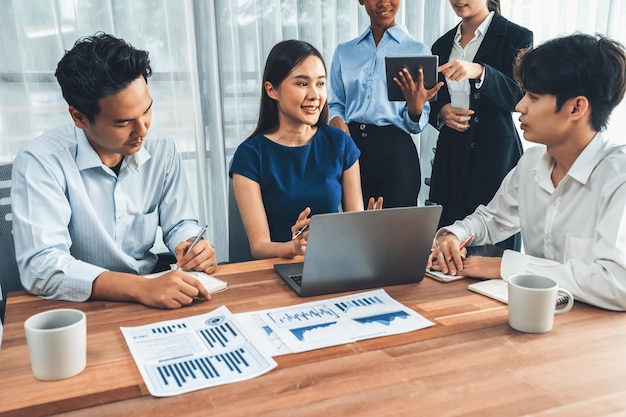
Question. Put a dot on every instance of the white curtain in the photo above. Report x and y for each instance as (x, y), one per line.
(208, 57)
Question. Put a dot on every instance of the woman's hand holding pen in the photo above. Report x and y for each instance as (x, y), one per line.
(300, 232)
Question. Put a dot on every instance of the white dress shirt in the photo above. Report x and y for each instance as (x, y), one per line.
(574, 233)
(468, 54)
(73, 218)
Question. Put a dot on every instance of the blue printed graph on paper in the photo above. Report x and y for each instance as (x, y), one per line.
(312, 332)
(169, 329)
(344, 306)
(309, 315)
(385, 319)
(220, 336)
(207, 370)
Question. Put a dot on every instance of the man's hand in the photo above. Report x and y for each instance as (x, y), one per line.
(200, 258)
(174, 289)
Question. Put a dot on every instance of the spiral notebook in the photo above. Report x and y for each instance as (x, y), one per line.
(211, 283)
(498, 290)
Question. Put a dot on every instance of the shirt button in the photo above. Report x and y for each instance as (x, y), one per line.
(472, 145)
(364, 134)
(476, 119)
(362, 126)
(476, 96)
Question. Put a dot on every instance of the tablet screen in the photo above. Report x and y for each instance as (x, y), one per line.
(393, 64)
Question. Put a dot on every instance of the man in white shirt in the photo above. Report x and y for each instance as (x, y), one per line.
(568, 197)
(88, 197)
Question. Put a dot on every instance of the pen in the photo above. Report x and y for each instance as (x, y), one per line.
(197, 238)
(299, 232)
(465, 242)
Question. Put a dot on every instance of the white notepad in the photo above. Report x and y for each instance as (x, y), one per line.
(211, 283)
(494, 288)
(440, 276)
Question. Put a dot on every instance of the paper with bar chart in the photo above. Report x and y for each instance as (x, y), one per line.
(330, 322)
(184, 355)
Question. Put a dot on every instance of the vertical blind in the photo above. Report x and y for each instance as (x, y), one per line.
(208, 58)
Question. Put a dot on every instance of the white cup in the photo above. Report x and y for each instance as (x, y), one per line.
(57, 343)
(532, 303)
(459, 99)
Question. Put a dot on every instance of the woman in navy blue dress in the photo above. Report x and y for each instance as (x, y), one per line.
(293, 165)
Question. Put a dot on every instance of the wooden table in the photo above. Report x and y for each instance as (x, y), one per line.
(471, 363)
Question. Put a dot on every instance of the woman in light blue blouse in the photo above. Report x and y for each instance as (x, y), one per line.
(359, 106)
(293, 165)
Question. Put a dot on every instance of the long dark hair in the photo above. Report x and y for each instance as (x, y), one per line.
(99, 66)
(282, 59)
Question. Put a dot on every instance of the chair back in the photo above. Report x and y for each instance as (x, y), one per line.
(238, 245)
(9, 275)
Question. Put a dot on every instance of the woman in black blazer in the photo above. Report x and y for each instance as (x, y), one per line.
(476, 147)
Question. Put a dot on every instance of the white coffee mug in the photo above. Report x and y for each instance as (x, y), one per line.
(57, 343)
(459, 99)
(532, 302)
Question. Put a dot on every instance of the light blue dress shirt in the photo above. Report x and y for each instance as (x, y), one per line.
(73, 218)
(358, 82)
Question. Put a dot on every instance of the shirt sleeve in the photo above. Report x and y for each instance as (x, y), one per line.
(337, 94)
(246, 162)
(41, 215)
(352, 152)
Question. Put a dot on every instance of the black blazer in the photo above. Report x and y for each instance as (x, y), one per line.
(469, 166)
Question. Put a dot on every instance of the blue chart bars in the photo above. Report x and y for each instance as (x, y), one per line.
(215, 366)
(358, 302)
(201, 351)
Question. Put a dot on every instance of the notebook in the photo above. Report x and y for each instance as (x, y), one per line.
(363, 249)
(482, 250)
(498, 290)
(211, 283)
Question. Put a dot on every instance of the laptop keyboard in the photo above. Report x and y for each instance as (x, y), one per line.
(297, 279)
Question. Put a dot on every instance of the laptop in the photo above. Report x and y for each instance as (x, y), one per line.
(357, 250)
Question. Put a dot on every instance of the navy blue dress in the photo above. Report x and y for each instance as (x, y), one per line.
(293, 178)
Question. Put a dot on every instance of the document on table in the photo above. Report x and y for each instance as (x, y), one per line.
(330, 322)
(202, 351)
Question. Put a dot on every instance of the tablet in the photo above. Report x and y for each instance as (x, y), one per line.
(393, 64)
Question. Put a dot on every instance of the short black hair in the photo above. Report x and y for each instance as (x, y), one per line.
(99, 66)
(577, 65)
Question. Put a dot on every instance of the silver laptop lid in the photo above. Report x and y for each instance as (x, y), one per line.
(366, 249)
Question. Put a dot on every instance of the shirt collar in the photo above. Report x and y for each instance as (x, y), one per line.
(583, 166)
(588, 159)
(397, 33)
(87, 157)
(480, 30)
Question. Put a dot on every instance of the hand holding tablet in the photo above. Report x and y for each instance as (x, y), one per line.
(393, 64)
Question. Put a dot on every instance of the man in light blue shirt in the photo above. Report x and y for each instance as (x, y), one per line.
(87, 198)
(359, 106)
